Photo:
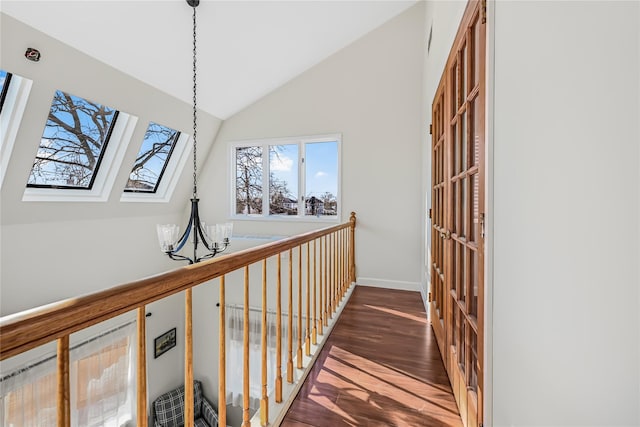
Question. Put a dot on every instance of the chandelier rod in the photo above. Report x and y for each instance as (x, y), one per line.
(195, 104)
(214, 237)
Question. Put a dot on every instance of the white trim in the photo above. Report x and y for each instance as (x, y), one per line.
(15, 103)
(111, 162)
(171, 175)
(399, 285)
(301, 141)
(489, 260)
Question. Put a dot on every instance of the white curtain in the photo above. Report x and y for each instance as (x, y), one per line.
(29, 395)
(101, 379)
(235, 354)
(102, 370)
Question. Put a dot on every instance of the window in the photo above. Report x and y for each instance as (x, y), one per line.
(151, 162)
(13, 100)
(5, 81)
(101, 378)
(73, 143)
(80, 152)
(287, 178)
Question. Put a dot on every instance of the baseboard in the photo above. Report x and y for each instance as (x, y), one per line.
(389, 284)
(425, 299)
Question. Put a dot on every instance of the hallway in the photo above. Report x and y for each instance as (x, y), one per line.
(379, 367)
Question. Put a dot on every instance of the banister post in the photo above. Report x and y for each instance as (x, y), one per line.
(264, 402)
(222, 358)
(63, 398)
(141, 384)
(352, 248)
(188, 359)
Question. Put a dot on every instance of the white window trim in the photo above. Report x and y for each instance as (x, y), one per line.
(106, 174)
(265, 142)
(15, 103)
(170, 178)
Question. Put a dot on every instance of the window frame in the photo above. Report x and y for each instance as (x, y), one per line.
(174, 143)
(5, 88)
(265, 143)
(100, 154)
(15, 103)
(104, 176)
(170, 177)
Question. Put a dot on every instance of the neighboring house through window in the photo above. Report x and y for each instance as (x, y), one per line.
(287, 178)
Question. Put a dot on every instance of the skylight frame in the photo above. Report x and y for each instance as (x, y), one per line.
(106, 176)
(5, 88)
(14, 107)
(169, 181)
(174, 142)
(103, 147)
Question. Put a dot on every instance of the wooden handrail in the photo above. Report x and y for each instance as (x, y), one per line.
(29, 329)
(334, 274)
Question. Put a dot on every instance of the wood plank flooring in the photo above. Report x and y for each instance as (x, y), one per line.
(379, 367)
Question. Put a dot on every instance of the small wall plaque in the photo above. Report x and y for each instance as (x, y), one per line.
(164, 343)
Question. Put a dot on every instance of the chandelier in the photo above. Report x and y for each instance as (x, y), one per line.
(214, 237)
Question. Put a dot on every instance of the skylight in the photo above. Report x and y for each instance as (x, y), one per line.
(5, 80)
(14, 94)
(152, 159)
(72, 144)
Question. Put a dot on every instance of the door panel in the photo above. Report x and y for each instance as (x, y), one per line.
(457, 243)
(438, 216)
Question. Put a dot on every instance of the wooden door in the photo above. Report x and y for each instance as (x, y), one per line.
(438, 229)
(460, 239)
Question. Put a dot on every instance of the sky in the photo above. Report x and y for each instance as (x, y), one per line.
(321, 160)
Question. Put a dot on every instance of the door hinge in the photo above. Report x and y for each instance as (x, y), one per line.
(482, 225)
(430, 213)
(483, 11)
(430, 129)
(429, 297)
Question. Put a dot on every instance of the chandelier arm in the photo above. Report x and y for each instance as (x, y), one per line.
(185, 236)
(178, 257)
(207, 256)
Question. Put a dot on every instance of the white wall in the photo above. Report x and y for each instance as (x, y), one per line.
(370, 92)
(52, 251)
(566, 217)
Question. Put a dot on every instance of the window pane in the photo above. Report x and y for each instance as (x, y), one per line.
(321, 178)
(73, 143)
(283, 179)
(249, 180)
(5, 79)
(152, 159)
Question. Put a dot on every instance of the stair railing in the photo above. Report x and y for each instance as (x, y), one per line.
(321, 285)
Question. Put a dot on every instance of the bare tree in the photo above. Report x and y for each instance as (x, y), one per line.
(74, 139)
(249, 180)
(330, 203)
(280, 197)
(158, 144)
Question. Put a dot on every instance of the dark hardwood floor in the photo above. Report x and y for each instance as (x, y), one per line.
(379, 367)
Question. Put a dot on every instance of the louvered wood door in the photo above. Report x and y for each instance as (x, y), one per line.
(460, 238)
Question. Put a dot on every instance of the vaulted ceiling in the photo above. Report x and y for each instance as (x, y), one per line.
(246, 49)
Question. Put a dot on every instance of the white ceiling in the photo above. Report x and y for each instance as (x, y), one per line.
(246, 49)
